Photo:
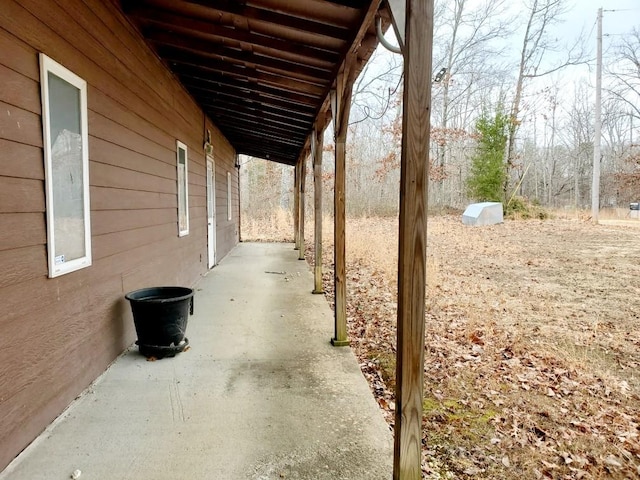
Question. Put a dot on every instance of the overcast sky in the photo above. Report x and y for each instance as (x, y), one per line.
(625, 16)
(619, 17)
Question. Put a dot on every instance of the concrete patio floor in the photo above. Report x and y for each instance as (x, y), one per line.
(261, 393)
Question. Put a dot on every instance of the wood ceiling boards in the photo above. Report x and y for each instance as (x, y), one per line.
(260, 69)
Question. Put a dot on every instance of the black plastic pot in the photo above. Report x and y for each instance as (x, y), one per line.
(160, 315)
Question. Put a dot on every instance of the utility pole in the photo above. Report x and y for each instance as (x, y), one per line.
(595, 185)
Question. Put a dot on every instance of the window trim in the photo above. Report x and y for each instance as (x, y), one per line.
(182, 146)
(49, 65)
(229, 209)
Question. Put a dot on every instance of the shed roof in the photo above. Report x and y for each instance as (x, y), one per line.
(261, 69)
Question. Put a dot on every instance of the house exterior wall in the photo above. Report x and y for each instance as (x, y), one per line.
(60, 333)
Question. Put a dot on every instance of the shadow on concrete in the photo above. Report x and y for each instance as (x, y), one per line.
(261, 393)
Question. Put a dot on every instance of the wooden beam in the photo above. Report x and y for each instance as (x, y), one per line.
(265, 103)
(414, 170)
(341, 106)
(289, 21)
(211, 99)
(350, 3)
(194, 77)
(275, 80)
(296, 207)
(237, 105)
(191, 27)
(250, 77)
(316, 150)
(283, 154)
(275, 155)
(269, 134)
(323, 12)
(226, 66)
(211, 49)
(268, 143)
(301, 203)
(262, 122)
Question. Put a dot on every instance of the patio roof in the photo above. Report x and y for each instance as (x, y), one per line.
(261, 69)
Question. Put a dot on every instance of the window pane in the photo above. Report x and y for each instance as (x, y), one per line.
(67, 170)
(183, 220)
(228, 196)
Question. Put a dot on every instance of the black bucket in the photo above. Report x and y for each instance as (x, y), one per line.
(160, 315)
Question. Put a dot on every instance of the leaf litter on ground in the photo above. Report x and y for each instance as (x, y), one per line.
(532, 344)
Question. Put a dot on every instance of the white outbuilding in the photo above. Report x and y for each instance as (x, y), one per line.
(486, 213)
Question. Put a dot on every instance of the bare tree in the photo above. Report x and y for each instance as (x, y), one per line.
(577, 136)
(626, 72)
(536, 45)
(469, 30)
(620, 164)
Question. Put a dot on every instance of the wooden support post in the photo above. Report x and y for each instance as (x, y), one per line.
(239, 198)
(341, 106)
(301, 202)
(296, 207)
(414, 170)
(340, 336)
(316, 152)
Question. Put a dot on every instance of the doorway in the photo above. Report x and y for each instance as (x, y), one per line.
(211, 210)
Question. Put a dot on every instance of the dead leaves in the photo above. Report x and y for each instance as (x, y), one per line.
(514, 384)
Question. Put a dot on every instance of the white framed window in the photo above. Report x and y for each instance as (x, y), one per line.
(229, 209)
(182, 163)
(66, 161)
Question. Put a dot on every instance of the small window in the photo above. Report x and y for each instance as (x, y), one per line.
(66, 158)
(183, 189)
(229, 196)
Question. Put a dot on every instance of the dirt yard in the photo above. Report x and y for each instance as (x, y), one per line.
(532, 344)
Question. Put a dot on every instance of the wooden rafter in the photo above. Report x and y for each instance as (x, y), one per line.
(193, 76)
(194, 28)
(264, 136)
(273, 62)
(239, 58)
(267, 16)
(287, 88)
(278, 117)
(233, 95)
(279, 81)
(207, 48)
(228, 66)
(235, 119)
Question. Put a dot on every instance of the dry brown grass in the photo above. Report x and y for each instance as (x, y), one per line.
(532, 347)
(276, 227)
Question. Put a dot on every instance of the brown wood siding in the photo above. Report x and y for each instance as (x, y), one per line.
(61, 333)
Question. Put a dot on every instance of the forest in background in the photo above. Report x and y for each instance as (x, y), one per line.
(543, 92)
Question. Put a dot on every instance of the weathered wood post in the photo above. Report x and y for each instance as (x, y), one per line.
(301, 203)
(341, 106)
(296, 206)
(414, 170)
(317, 140)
